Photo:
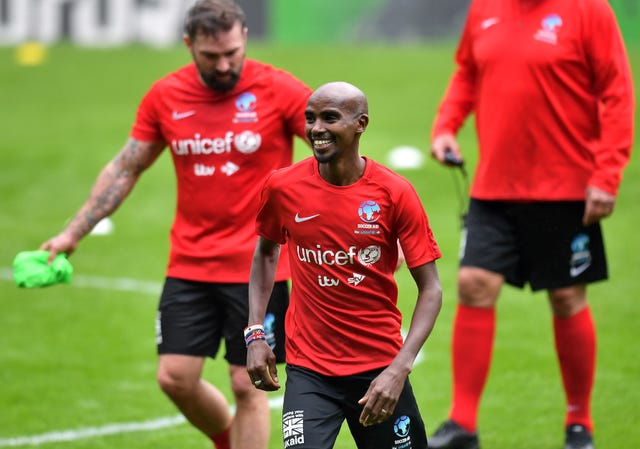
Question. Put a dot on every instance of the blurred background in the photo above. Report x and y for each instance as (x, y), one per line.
(158, 22)
(78, 361)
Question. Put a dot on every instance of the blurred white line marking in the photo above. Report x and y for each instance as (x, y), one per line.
(108, 429)
(102, 283)
(119, 284)
(89, 432)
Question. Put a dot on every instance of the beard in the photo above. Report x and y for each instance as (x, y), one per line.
(215, 81)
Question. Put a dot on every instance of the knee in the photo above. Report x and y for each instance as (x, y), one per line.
(240, 382)
(478, 287)
(568, 301)
(174, 384)
(241, 386)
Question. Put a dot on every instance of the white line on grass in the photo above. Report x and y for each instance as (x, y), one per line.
(108, 429)
(102, 283)
(119, 284)
(89, 432)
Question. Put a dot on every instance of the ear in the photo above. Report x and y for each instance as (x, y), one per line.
(187, 41)
(363, 121)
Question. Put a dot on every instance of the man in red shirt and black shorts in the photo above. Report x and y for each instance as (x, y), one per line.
(342, 216)
(550, 86)
(228, 122)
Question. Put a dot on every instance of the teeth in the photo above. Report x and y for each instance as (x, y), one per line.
(322, 142)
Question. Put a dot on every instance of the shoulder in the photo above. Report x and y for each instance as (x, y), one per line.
(593, 8)
(285, 177)
(596, 19)
(598, 5)
(385, 176)
(264, 73)
(179, 78)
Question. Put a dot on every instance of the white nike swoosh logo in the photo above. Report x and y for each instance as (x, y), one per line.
(301, 219)
(489, 22)
(180, 115)
(576, 271)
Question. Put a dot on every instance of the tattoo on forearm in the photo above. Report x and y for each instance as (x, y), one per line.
(113, 185)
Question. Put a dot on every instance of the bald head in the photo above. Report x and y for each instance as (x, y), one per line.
(335, 117)
(344, 95)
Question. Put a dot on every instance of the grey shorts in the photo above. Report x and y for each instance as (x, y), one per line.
(315, 407)
(544, 244)
(194, 317)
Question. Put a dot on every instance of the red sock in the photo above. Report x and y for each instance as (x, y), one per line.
(472, 346)
(221, 440)
(575, 340)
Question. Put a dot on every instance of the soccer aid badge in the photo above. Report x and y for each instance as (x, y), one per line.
(401, 428)
(369, 212)
(580, 255)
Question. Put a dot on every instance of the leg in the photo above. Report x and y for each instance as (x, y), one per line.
(251, 425)
(404, 428)
(471, 348)
(312, 412)
(490, 256)
(472, 342)
(575, 342)
(204, 406)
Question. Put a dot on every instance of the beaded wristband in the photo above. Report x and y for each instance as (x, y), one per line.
(254, 332)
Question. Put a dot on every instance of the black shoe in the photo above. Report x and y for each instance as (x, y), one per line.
(451, 436)
(578, 437)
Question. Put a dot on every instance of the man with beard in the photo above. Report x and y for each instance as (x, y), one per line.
(229, 122)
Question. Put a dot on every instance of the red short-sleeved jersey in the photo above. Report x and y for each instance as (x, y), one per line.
(550, 85)
(343, 317)
(223, 147)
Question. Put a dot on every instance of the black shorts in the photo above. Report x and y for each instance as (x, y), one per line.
(193, 317)
(315, 406)
(542, 243)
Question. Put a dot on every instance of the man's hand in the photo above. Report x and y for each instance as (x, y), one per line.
(381, 398)
(443, 143)
(261, 366)
(64, 242)
(598, 205)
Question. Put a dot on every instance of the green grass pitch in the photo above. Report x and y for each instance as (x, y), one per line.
(82, 356)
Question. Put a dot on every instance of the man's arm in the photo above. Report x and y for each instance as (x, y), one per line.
(459, 97)
(424, 314)
(111, 187)
(261, 361)
(384, 391)
(613, 86)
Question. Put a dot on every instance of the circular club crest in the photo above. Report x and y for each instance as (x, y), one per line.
(369, 255)
(248, 142)
(369, 211)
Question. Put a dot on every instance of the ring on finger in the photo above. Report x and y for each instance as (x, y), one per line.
(383, 411)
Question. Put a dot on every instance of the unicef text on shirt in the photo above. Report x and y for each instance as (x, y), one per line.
(366, 256)
(246, 142)
(327, 256)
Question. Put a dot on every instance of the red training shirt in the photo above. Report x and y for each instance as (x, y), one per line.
(343, 316)
(223, 146)
(550, 85)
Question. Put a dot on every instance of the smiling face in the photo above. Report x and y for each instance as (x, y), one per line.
(219, 57)
(336, 115)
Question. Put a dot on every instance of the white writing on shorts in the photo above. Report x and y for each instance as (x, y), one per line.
(293, 428)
